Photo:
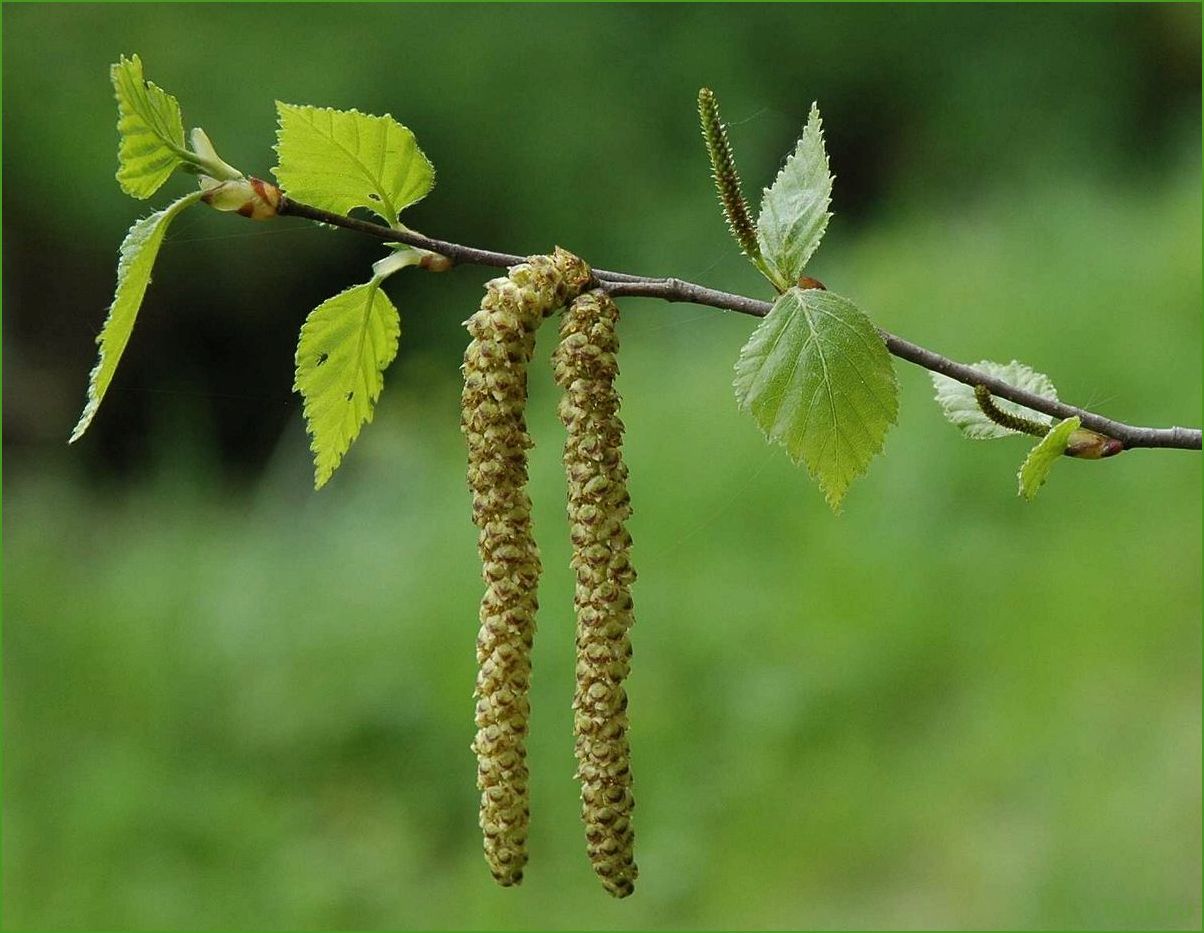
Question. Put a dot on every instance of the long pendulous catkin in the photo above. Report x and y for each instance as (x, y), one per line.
(494, 426)
(598, 506)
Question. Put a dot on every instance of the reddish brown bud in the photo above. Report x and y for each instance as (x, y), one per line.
(1088, 445)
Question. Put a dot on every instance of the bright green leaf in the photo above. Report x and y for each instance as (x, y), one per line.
(346, 344)
(818, 379)
(794, 211)
(1040, 460)
(960, 407)
(152, 132)
(342, 159)
(138, 252)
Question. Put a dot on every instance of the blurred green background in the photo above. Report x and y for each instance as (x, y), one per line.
(233, 703)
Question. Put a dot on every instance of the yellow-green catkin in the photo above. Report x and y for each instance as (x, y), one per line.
(494, 426)
(598, 506)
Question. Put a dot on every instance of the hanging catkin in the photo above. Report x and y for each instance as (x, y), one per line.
(598, 506)
(494, 426)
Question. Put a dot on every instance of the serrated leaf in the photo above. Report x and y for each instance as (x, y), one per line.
(794, 210)
(137, 259)
(961, 408)
(1040, 460)
(346, 343)
(818, 380)
(339, 160)
(152, 131)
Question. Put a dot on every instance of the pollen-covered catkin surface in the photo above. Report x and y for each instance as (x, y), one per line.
(495, 428)
(727, 179)
(598, 507)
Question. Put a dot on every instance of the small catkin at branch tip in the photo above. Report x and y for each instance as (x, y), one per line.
(494, 427)
(727, 179)
(986, 404)
(599, 506)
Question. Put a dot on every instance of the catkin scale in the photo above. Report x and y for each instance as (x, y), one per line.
(585, 365)
(495, 430)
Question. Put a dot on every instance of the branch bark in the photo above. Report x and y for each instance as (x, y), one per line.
(623, 284)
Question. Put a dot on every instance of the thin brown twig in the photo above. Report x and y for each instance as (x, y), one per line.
(623, 284)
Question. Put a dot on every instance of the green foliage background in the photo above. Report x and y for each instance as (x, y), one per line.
(230, 702)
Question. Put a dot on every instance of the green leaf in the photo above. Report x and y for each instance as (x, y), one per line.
(818, 380)
(346, 344)
(960, 407)
(1040, 460)
(342, 159)
(152, 131)
(794, 211)
(137, 259)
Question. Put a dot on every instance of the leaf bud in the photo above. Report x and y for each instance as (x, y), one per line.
(1089, 445)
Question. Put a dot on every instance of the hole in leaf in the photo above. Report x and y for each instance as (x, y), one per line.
(374, 197)
(322, 358)
(350, 395)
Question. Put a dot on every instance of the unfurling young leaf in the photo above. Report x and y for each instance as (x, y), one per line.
(339, 160)
(1040, 460)
(346, 344)
(960, 406)
(211, 166)
(818, 379)
(794, 211)
(138, 252)
(152, 131)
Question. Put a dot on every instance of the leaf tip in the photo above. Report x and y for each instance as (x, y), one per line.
(81, 426)
(835, 499)
(133, 62)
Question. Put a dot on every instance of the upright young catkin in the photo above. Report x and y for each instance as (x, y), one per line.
(494, 426)
(598, 506)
